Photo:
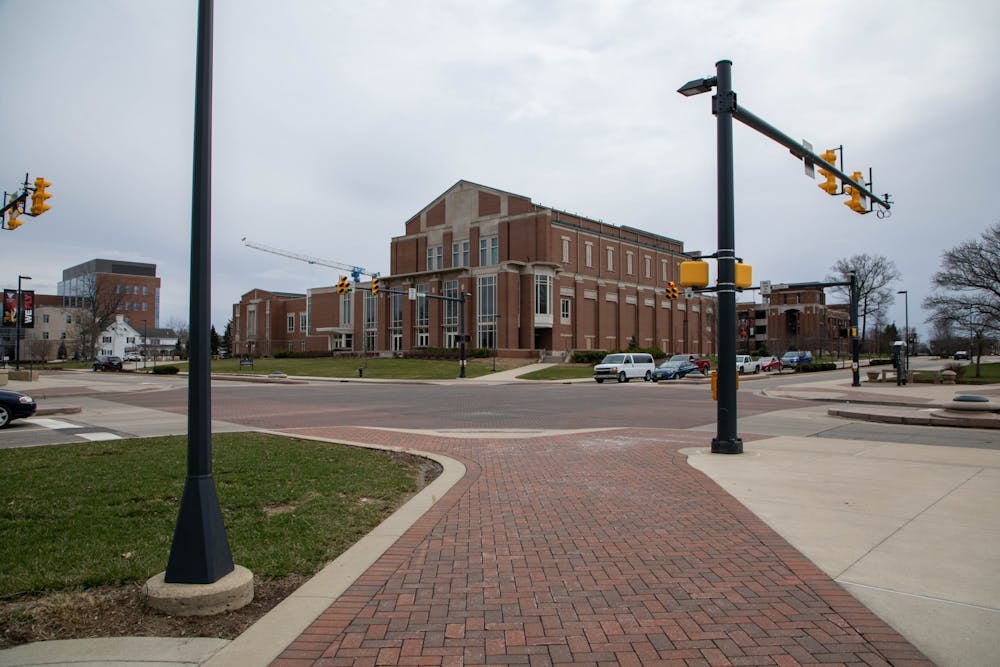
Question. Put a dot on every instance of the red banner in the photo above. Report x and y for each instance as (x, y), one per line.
(10, 308)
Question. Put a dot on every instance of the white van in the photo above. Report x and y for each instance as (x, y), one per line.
(623, 366)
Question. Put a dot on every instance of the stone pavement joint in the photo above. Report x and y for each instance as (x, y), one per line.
(596, 548)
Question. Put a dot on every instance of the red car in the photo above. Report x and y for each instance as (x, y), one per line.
(704, 365)
(769, 364)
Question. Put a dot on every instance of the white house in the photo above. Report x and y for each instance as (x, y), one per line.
(120, 339)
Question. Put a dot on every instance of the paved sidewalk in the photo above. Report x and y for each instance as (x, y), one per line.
(590, 548)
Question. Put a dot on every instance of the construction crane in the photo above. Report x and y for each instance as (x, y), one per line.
(355, 271)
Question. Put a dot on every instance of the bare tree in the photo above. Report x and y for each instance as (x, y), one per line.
(99, 303)
(875, 275)
(967, 289)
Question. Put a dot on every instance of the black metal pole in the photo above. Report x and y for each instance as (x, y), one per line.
(726, 440)
(200, 551)
(461, 344)
(855, 341)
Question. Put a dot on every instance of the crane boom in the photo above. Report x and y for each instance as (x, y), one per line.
(356, 271)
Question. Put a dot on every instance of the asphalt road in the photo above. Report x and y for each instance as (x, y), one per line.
(161, 410)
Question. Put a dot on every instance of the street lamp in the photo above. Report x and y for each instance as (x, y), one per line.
(19, 316)
(906, 326)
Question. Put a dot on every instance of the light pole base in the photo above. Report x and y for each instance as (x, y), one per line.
(734, 446)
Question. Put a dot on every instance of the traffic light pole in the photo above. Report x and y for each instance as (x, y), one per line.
(726, 440)
(725, 108)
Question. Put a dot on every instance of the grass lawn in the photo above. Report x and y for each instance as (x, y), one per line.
(378, 368)
(988, 373)
(99, 513)
(561, 372)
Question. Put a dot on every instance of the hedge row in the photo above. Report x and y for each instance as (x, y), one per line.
(166, 370)
(446, 353)
(818, 366)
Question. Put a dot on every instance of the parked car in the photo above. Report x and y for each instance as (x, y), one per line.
(768, 364)
(132, 356)
(746, 364)
(108, 364)
(796, 358)
(623, 366)
(704, 365)
(15, 405)
(961, 354)
(674, 369)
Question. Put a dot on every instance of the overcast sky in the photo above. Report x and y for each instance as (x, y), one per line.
(336, 121)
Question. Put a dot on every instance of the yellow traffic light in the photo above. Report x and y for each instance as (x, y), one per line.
(694, 274)
(744, 275)
(38, 205)
(343, 287)
(830, 185)
(13, 221)
(855, 203)
(374, 284)
(672, 290)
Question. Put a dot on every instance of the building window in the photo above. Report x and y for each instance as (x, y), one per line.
(564, 310)
(370, 317)
(460, 253)
(291, 322)
(69, 319)
(543, 295)
(62, 335)
(628, 263)
(303, 322)
(45, 335)
(589, 254)
(345, 310)
(45, 318)
(489, 251)
(487, 316)
(565, 250)
(145, 306)
(611, 259)
(252, 321)
(649, 266)
(435, 257)
(145, 290)
(663, 270)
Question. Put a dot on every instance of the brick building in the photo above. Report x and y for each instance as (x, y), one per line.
(133, 288)
(793, 319)
(537, 281)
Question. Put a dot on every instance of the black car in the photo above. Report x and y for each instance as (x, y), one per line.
(15, 405)
(108, 364)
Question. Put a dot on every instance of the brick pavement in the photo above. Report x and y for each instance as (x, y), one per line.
(598, 548)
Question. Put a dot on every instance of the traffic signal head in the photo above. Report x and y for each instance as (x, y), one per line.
(13, 219)
(856, 202)
(343, 287)
(374, 284)
(829, 186)
(694, 274)
(672, 290)
(38, 205)
(744, 275)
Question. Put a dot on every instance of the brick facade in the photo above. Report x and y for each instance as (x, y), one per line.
(537, 280)
(793, 319)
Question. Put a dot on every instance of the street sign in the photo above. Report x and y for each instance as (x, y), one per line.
(806, 162)
(765, 288)
(689, 293)
(412, 293)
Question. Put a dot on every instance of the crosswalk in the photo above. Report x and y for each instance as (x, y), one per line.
(83, 431)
